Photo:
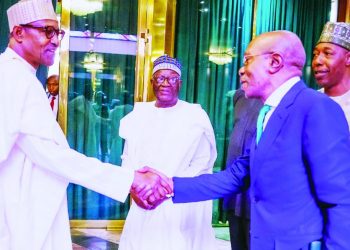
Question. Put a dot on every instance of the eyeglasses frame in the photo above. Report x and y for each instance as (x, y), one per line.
(59, 32)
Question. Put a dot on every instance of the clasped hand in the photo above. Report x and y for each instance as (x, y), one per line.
(150, 188)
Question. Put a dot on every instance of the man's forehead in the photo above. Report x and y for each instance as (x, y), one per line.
(45, 22)
(52, 82)
(165, 72)
(331, 46)
(260, 44)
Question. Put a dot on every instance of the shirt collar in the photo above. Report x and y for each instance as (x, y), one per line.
(275, 98)
(12, 54)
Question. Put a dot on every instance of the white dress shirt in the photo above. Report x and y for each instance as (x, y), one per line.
(275, 98)
(55, 103)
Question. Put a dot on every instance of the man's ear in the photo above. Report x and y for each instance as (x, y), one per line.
(276, 63)
(18, 33)
(180, 84)
(347, 59)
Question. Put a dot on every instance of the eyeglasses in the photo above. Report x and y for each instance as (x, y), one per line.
(49, 31)
(172, 79)
(246, 58)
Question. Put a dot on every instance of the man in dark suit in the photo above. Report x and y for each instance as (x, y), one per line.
(52, 85)
(301, 161)
(238, 205)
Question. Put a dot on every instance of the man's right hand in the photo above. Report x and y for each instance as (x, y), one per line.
(150, 188)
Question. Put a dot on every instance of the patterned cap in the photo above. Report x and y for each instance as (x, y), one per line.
(166, 62)
(336, 33)
(27, 11)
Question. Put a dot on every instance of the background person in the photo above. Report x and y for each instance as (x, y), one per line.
(177, 138)
(52, 85)
(238, 205)
(331, 64)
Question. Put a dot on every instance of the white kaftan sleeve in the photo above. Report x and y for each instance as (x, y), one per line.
(74, 167)
(10, 115)
(4, 234)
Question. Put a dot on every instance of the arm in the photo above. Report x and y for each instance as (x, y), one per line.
(89, 172)
(212, 186)
(74, 167)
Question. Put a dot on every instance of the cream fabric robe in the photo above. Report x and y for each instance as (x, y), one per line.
(36, 165)
(178, 141)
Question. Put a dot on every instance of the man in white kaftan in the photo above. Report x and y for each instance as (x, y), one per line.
(331, 64)
(176, 138)
(36, 163)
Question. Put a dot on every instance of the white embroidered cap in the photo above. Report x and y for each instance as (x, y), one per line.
(337, 33)
(166, 62)
(27, 11)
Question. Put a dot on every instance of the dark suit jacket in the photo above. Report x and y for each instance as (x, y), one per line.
(303, 158)
(244, 128)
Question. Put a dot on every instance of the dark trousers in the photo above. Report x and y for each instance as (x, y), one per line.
(239, 231)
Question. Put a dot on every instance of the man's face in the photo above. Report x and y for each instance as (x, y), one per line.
(36, 47)
(329, 64)
(253, 74)
(166, 85)
(52, 85)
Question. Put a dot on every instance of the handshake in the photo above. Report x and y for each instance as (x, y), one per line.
(150, 188)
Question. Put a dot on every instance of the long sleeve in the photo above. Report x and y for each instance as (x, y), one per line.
(66, 163)
(212, 186)
(4, 234)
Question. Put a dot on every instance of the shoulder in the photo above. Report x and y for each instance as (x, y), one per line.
(320, 106)
(193, 110)
(311, 97)
(136, 119)
(239, 95)
(138, 113)
(303, 97)
(194, 116)
(15, 73)
(140, 108)
(242, 103)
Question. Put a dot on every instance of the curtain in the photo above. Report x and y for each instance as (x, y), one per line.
(4, 26)
(222, 27)
(97, 100)
(305, 18)
(203, 26)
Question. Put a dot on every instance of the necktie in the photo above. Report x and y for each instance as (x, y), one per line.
(52, 102)
(260, 121)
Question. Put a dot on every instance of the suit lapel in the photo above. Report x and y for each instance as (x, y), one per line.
(273, 128)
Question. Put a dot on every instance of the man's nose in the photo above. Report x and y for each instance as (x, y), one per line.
(241, 71)
(55, 40)
(166, 82)
(318, 60)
